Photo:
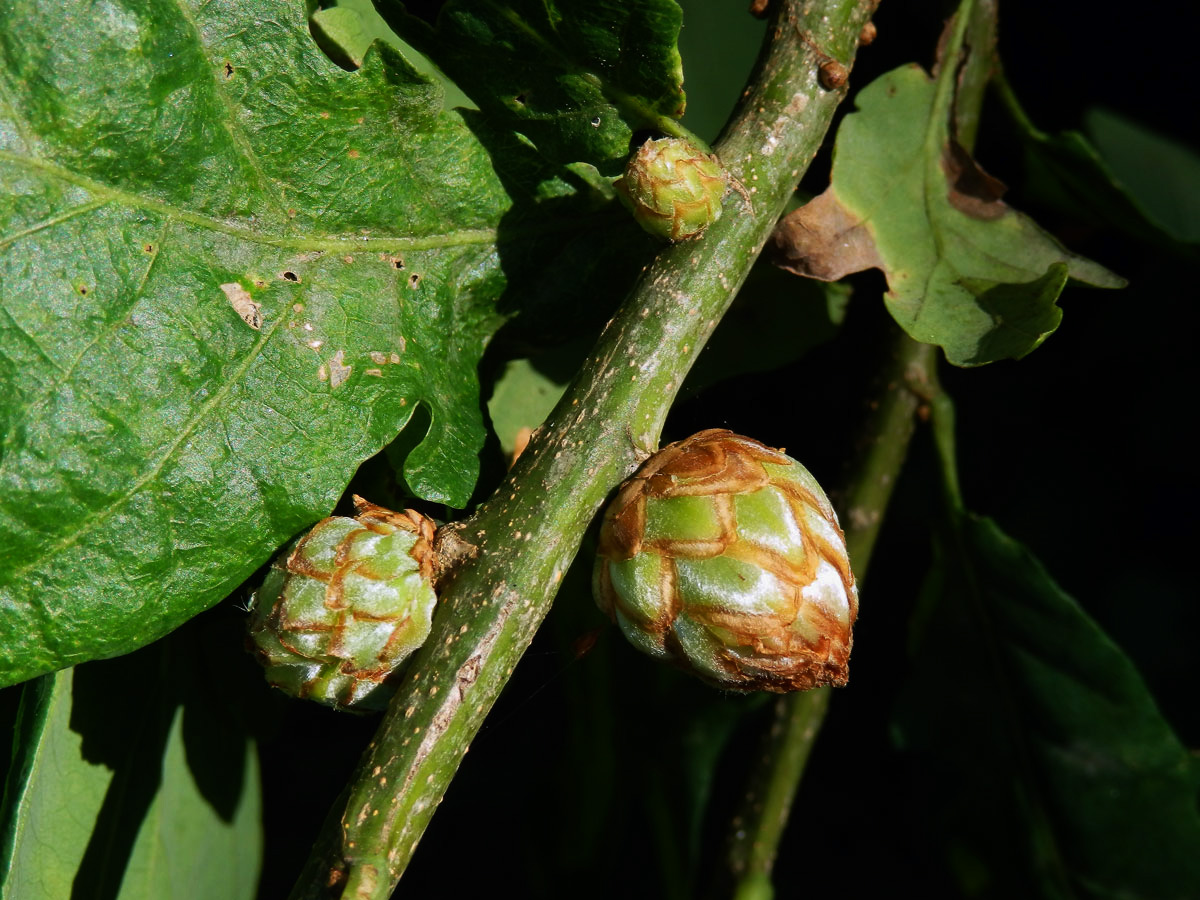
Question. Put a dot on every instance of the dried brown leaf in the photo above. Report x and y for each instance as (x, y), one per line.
(823, 240)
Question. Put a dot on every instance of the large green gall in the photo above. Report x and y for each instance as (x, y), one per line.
(725, 557)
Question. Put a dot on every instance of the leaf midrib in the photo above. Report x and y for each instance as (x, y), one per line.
(333, 243)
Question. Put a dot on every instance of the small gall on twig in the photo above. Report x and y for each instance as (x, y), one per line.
(833, 74)
(673, 188)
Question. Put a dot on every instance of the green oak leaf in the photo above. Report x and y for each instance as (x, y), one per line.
(521, 400)
(1160, 175)
(965, 271)
(1057, 775)
(229, 272)
(126, 812)
(576, 77)
(341, 32)
(346, 31)
(1124, 174)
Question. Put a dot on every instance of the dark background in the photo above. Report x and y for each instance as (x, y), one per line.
(590, 777)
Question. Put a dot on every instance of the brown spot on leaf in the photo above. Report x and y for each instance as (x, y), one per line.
(243, 304)
(353, 154)
(338, 370)
(972, 190)
(823, 240)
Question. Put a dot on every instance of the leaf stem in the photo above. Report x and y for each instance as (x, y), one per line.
(907, 385)
(910, 388)
(513, 553)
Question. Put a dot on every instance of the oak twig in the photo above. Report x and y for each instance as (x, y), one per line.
(514, 551)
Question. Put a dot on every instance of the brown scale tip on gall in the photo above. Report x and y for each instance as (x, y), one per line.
(868, 34)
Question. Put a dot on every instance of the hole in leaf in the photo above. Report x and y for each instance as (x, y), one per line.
(290, 276)
(520, 99)
(228, 70)
(149, 248)
(413, 280)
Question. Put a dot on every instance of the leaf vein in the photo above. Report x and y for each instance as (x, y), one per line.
(116, 322)
(230, 120)
(89, 523)
(64, 216)
(18, 120)
(332, 243)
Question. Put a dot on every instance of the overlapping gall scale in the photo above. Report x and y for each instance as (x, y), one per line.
(343, 607)
(673, 188)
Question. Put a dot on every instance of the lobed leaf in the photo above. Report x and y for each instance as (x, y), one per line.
(965, 271)
(576, 77)
(229, 271)
(1056, 775)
